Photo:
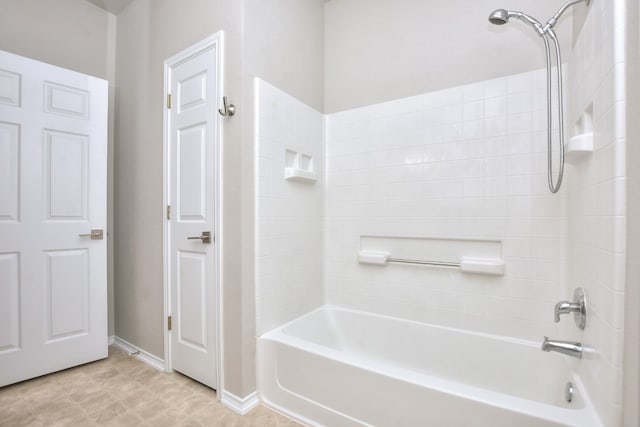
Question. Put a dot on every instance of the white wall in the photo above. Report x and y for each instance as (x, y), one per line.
(284, 45)
(150, 31)
(459, 164)
(69, 33)
(378, 50)
(289, 228)
(597, 203)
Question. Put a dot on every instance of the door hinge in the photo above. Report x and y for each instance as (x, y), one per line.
(169, 101)
(169, 323)
(168, 211)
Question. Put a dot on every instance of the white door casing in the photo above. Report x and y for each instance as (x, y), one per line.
(192, 133)
(53, 182)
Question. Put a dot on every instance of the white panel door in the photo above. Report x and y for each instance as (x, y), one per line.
(53, 157)
(192, 139)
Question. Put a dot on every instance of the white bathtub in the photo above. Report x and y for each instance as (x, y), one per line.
(339, 367)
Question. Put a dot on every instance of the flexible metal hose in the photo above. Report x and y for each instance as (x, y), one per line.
(554, 187)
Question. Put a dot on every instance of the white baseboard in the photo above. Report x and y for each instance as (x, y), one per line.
(143, 356)
(238, 405)
(112, 340)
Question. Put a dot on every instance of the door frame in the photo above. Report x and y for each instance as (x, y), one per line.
(214, 41)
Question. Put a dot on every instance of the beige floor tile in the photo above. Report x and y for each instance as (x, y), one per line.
(121, 391)
(22, 420)
(126, 420)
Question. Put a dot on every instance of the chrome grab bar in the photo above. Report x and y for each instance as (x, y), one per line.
(421, 262)
(494, 266)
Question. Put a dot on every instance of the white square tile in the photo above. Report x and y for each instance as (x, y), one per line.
(451, 132)
(519, 83)
(473, 110)
(519, 123)
(473, 129)
(495, 88)
(494, 107)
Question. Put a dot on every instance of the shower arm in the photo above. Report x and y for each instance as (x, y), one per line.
(554, 19)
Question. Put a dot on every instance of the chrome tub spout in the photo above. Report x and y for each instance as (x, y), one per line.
(570, 348)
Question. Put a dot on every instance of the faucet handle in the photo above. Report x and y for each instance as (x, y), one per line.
(578, 308)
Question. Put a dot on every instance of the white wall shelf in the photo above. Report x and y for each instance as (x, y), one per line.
(579, 146)
(300, 175)
(299, 167)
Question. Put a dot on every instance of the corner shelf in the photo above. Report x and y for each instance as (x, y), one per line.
(300, 175)
(579, 146)
(299, 167)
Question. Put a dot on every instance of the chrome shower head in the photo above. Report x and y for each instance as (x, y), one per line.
(502, 16)
(499, 17)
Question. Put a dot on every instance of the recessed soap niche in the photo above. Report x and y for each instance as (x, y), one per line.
(299, 167)
(582, 142)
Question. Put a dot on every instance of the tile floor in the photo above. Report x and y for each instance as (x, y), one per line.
(121, 391)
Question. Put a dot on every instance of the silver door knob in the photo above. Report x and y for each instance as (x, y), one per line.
(94, 235)
(205, 237)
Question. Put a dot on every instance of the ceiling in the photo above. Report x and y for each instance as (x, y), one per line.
(113, 6)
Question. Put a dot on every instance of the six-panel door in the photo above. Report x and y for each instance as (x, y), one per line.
(53, 156)
(193, 129)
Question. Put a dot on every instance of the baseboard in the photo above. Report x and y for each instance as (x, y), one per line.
(112, 340)
(238, 405)
(144, 356)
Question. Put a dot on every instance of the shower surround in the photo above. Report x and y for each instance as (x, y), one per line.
(468, 163)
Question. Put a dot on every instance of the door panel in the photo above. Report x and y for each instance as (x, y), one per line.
(10, 88)
(192, 138)
(192, 153)
(66, 164)
(192, 92)
(9, 302)
(66, 101)
(53, 155)
(9, 171)
(192, 297)
(67, 302)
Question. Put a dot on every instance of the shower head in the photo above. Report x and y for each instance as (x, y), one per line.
(502, 16)
(499, 17)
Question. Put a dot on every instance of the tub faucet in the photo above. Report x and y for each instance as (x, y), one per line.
(569, 348)
(578, 307)
(564, 307)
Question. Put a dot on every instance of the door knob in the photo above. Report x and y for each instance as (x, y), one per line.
(205, 237)
(95, 234)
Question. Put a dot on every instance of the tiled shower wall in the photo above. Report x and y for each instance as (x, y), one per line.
(288, 214)
(596, 202)
(462, 163)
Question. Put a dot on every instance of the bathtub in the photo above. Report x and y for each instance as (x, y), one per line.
(339, 367)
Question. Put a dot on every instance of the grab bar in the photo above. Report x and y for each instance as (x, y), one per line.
(421, 262)
(492, 266)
